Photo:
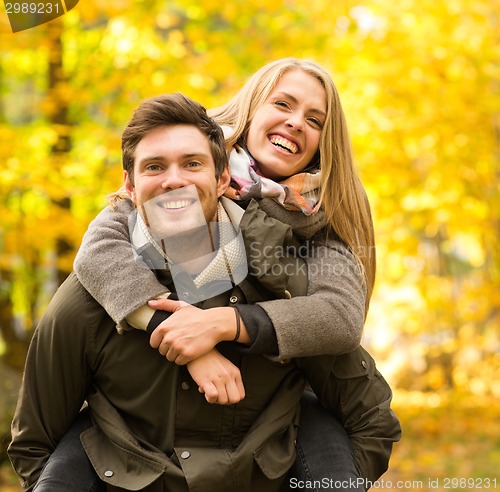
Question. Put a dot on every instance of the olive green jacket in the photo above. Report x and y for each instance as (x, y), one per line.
(155, 432)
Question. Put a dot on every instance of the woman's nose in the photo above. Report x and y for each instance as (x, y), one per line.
(295, 121)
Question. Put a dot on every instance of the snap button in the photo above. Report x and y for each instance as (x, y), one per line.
(364, 364)
(184, 385)
(108, 473)
(233, 299)
(185, 455)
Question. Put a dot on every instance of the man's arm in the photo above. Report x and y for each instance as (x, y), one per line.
(218, 378)
(55, 381)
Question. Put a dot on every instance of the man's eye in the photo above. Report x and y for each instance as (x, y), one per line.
(153, 167)
(194, 164)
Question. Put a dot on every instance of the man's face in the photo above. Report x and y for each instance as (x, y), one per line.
(174, 173)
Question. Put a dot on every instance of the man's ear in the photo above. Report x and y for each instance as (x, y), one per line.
(224, 180)
(129, 186)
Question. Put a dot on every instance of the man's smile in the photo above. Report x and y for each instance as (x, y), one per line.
(175, 204)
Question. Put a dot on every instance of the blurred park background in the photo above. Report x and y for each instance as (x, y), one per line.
(420, 84)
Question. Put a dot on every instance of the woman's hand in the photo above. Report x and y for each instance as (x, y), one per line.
(191, 332)
(218, 378)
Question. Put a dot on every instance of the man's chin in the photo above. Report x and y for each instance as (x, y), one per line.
(178, 226)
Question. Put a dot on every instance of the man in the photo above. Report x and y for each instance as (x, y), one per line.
(152, 428)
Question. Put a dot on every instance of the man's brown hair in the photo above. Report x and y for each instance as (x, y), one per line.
(171, 109)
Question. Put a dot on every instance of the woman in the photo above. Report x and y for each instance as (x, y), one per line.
(334, 207)
(291, 152)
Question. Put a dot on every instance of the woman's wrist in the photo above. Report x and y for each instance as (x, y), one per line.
(232, 326)
(238, 325)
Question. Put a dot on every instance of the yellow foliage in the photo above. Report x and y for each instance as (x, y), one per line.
(419, 82)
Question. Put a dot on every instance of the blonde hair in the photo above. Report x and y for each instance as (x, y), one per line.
(343, 197)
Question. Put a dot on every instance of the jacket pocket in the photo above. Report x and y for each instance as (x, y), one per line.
(276, 456)
(120, 467)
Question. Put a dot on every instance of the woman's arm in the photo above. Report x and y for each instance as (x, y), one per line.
(325, 318)
(322, 305)
(329, 319)
(217, 378)
(109, 269)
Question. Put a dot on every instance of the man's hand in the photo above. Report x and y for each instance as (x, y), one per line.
(190, 332)
(218, 378)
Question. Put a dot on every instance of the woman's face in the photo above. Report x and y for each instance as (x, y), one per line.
(284, 133)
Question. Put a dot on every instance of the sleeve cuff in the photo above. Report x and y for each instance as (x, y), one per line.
(157, 318)
(260, 329)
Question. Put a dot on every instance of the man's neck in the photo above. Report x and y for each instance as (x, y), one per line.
(194, 249)
(191, 250)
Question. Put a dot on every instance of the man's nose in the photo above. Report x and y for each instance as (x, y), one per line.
(173, 178)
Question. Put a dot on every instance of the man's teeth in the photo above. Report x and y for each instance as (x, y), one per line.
(284, 143)
(176, 204)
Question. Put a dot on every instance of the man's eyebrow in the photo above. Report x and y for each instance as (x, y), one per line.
(151, 158)
(189, 155)
(295, 100)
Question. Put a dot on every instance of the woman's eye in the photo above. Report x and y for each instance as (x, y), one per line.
(282, 104)
(317, 123)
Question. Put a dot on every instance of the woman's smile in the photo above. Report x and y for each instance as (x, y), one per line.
(284, 143)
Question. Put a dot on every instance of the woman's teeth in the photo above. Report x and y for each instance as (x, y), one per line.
(284, 144)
